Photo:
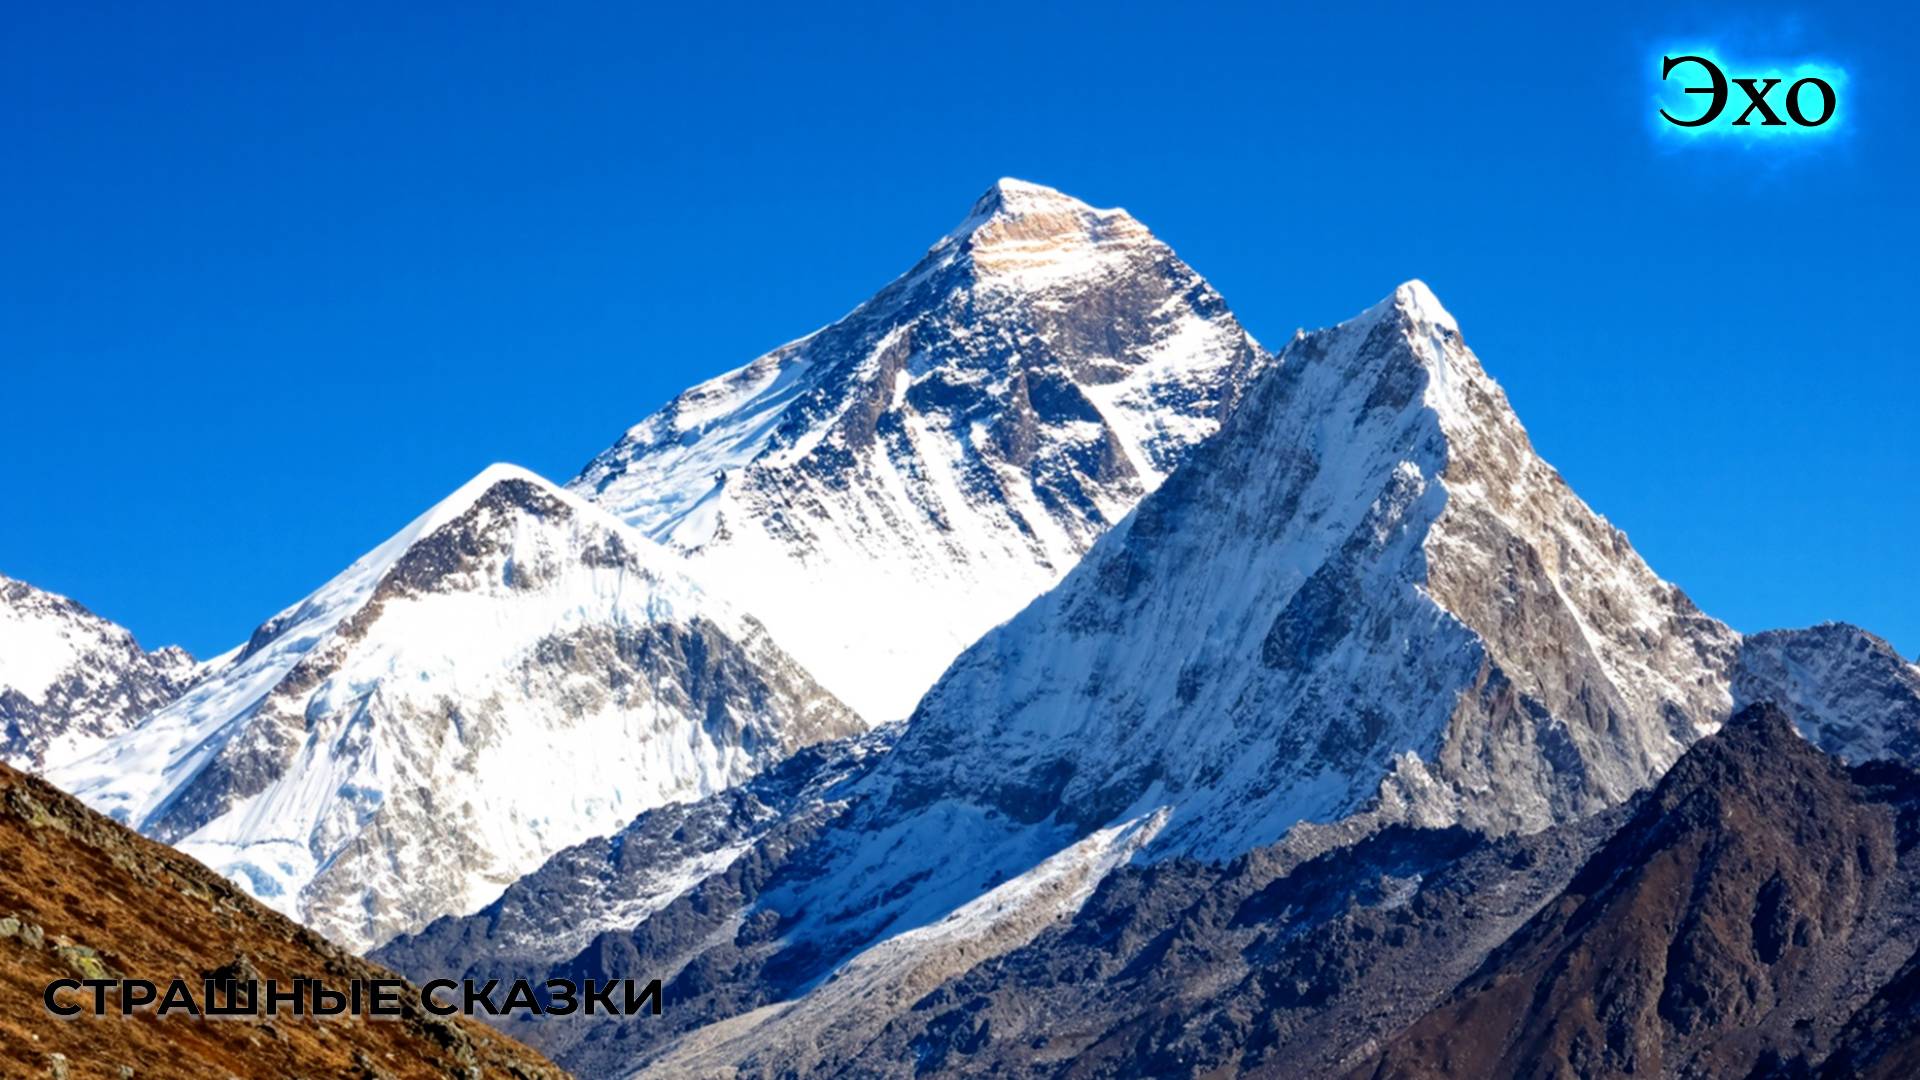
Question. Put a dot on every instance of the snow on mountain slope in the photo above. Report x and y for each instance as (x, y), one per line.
(1367, 591)
(1847, 690)
(69, 679)
(512, 673)
(611, 884)
(1366, 600)
(889, 487)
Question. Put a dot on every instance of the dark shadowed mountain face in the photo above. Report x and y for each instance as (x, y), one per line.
(84, 898)
(1881, 1041)
(1262, 966)
(70, 680)
(1755, 901)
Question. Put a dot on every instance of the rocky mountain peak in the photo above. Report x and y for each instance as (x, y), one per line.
(1849, 691)
(70, 679)
(953, 444)
(1029, 236)
(1367, 590)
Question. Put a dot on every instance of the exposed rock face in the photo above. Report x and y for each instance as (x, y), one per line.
(69, 679)
(84, 897)
(887, 488)
(1845, 689)
(513, 673)
(1734, 924)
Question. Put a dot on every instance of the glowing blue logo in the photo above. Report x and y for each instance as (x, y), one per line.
(1699, 94)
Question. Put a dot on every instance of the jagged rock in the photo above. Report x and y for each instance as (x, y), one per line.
(70, 679)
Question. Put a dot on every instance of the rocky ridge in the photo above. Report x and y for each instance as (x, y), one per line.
(70, 680)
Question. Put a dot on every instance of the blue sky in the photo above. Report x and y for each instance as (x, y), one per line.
(272, 282)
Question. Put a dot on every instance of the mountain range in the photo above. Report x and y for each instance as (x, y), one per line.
(1363, 605)
(1030, 674)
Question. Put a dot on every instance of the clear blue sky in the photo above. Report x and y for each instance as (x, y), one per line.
(271, 282)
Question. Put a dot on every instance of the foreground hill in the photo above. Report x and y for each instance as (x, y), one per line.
(81, 897)
(1758, 899)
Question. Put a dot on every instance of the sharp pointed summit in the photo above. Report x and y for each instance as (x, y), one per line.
(1010, 197)
(885, 489)
(1339, 605)
(1022, 235)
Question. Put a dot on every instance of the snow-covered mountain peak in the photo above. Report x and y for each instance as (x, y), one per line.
(1848, 691)
(1366, 590)
(1405, 350)
(1011, 200)
(499, 485)
(388, 750)
(952, 445)
(1014, 194)
(1027, 236)
(1415, 305)
(70, 679)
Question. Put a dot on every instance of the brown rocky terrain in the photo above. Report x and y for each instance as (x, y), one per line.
(83, 897)
(1755, 917)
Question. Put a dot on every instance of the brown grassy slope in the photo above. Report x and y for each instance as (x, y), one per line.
(76, 881)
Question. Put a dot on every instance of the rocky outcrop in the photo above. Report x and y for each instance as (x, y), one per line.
(70, 680)
(1265, 965)
(1880, 1042)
